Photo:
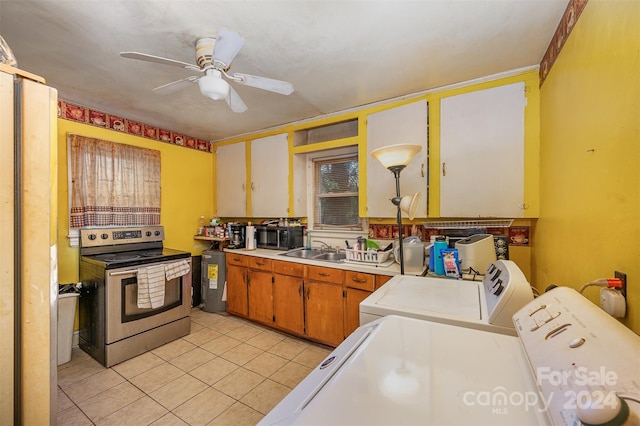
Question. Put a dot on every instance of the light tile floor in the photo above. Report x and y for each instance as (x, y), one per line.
(228, 371)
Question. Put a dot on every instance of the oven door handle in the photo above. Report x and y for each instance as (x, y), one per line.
(132, 271)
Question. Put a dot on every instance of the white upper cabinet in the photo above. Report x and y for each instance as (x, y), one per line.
(270, 176)
(231, 180)
(482, 153)
(406, 124)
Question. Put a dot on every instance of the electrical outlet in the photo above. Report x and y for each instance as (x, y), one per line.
(623, 277)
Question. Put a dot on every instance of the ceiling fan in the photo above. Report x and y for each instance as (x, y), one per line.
(213, 58)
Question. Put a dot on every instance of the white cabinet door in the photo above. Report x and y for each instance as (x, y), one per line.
(406, 124)
(231, 179)
(270, 176)
(482, 153)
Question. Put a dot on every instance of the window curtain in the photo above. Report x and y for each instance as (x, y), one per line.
(113, 184)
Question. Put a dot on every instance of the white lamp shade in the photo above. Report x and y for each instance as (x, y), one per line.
(396, 155)
(409, 204)
(213, 86)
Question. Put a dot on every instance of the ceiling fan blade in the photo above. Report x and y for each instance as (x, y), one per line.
(235, 102)
(159, 60)
(277, 86)
(228, 44)
(174, 86)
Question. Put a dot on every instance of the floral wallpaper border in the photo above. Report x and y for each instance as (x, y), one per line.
(568, 21)
(86, 115)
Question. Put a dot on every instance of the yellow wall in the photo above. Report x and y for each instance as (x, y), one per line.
(590, 156)
(187, 192)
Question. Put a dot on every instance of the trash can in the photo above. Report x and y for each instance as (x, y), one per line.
(67, 302)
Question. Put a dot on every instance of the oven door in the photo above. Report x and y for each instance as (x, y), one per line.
(125, 318)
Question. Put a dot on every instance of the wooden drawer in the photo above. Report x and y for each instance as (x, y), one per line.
(382, 280)
(329, 275)
(260, 263)
(236, 259)
(288, 268)
(359, 280)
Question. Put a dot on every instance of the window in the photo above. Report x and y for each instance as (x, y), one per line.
(336, 193)
(113, 184)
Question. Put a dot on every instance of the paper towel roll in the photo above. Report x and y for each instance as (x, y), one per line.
(250, 232)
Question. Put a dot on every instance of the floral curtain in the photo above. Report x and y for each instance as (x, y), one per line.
(113, 184)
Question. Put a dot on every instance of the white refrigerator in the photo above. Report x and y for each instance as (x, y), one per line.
(28, 255)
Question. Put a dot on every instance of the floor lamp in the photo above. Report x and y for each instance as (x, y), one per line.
(396, 158)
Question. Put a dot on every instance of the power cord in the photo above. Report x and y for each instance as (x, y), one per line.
(603, 282)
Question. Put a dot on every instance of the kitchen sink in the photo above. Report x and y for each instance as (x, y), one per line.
(331, 256)
(323, 255)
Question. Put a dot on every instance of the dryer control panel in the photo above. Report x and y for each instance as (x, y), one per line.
(586, 364)
(506, 291)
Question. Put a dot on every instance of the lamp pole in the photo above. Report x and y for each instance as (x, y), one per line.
(396, 201)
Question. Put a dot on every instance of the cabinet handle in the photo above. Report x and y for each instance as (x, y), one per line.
(259, 263)
(308, 292)
(243, 186)
(252, 187)
(444, 170)
(358, 280)
(324, 274)
(422, 170)
(300, 290)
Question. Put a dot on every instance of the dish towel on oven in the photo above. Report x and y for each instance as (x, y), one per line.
(151, 287)
(176, 269)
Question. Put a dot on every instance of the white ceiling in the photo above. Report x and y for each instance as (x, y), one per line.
(337, 54)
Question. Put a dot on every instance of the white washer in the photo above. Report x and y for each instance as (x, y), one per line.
(487, 305)
(404, 371)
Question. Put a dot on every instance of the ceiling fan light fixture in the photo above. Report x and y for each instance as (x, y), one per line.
(213, 86)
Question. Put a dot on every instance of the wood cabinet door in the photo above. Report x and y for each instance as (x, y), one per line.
(405, 124)
(270, 176)
(288, 305)
(352, 309)
(237, 300)
(482, 153)
(260, 296)
(324, 307)
(231, 178)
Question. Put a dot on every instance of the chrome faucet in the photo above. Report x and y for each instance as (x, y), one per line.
(328, 247)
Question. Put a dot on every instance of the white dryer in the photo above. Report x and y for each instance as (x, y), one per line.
(487, 305)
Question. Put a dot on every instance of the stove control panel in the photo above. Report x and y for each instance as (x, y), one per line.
(584, 361)
(95, 237)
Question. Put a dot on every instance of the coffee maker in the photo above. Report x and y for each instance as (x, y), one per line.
(237, 235)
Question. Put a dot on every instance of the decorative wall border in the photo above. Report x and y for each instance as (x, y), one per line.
(568, 21)
(81, 114)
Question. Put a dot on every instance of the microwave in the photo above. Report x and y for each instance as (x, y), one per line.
(279, 237)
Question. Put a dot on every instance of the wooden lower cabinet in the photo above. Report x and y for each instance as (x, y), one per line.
(237, 296)
(260, 294)
(352, 308)
(288, 303)
(324, 310)
(320, 303)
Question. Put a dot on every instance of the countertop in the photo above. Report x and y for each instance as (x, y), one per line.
(393, 269)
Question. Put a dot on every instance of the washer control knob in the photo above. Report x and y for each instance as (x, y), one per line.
(92, 237)
(104, 236)
(157, 233)
(610, 411)
(148, 233)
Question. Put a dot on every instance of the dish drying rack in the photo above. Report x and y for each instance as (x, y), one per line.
(367, 256)
(469, 224)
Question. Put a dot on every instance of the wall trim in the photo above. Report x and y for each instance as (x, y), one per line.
(568, 21)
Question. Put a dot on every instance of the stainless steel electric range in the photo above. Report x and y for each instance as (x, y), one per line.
(115, 324)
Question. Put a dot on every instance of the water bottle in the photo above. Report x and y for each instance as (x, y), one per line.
(438, 265)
